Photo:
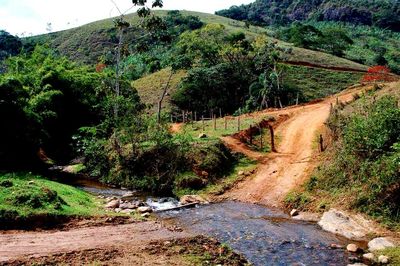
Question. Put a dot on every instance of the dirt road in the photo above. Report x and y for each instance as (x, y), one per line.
(37, 244)
(280, 172)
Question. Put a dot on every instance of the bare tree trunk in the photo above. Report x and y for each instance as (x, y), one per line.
(162, 98)
(117, 72)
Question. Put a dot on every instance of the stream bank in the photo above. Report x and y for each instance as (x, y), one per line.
(264, 236)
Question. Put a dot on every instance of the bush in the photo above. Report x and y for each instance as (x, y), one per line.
(35, 197)
(362, 168)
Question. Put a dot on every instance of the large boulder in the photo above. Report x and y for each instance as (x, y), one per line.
(341, 223)
(187, 199)
(128, 196)
(144, 209)
(380, 243)
(112, 204)
(128, 205)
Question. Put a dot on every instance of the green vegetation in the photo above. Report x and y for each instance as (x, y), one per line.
(219, 186)
(150, 87)
(362, 167)
(380, 13)
(314, 83)
(24, 196)
(44, 100)
(196, 128)
(363, 44)
(393, 254)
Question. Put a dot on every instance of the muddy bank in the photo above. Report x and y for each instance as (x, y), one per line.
(188, 251)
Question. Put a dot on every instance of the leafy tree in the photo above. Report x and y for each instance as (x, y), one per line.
(301, 35)
(9, 45)
(335, 41)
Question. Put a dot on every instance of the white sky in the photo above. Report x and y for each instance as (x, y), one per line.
(30, 17)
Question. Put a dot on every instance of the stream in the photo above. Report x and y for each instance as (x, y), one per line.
(264, 236)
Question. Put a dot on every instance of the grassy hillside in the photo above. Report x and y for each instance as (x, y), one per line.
(91, 41)
(312, 82)
(151, 87)
(24, 196)
(360, 169)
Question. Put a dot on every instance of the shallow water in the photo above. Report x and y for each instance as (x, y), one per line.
(264, 236)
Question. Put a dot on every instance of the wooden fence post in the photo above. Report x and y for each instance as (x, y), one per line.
(226, 124)
(271, 130)
(183, 116)
(195, 116)
(202, 122)
(321, 143)
(220, 113)
(215, 122)
(238, 124)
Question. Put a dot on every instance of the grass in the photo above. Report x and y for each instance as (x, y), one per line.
(151, 87)
(244, 164)
(393, 254)
(196, 128)
(26, 195)
(316, 83)
(89, 42)
(313, 83)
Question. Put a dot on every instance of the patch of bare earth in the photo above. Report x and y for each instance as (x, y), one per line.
(187, 251)
(38, 244)
(282, 171)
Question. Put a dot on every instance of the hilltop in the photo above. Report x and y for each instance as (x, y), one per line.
(381, 13)
(89, 42)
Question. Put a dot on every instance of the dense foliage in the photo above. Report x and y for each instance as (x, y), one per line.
(44, 100)
(382, 13)
(228, 71)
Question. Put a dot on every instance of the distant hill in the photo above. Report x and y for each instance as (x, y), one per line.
(89, 42)
(381, 13)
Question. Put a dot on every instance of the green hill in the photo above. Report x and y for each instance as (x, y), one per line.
(91, 41)
(381, 13)
(95, 42)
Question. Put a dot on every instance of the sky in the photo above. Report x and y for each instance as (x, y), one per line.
(31, 17)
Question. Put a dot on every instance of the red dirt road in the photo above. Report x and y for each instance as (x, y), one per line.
(280, 172)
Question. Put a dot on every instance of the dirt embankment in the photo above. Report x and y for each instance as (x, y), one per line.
(278, 173)
(38, 244)
(185, 251)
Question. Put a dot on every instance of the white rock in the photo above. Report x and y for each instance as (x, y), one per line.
(369, 256)
(128, 206)
(144, 209)
(338, 222)
(380, 243)
(307, 216)
(146, 215)
(336, 246)
(187, 199)
(202, 136)
(112, 204)
(118, 210)
(128, 195)
(241, 173)
(352, 248)
(357, 264)
(383, 259)
(128, 211)
(294, 212)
